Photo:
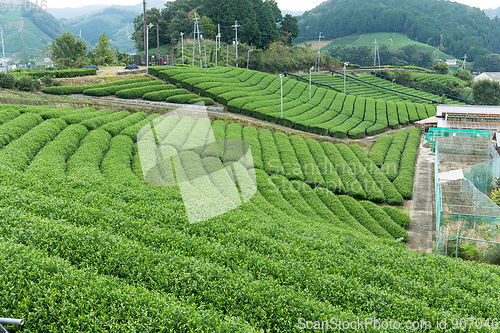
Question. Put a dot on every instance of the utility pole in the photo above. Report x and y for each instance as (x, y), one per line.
(248, 57)
(157, 43)
(182, 42)
(205, 49)
(218, 35)
(465, 60)
(236, 26)
(216, 49)
(345, 65)
(319, 49)
(310, 70)
(227, 56)
(3, 51)
(199, 42)
(281, 82)
(194, 36)
(375, 55)
(150, 25)
(145, 31)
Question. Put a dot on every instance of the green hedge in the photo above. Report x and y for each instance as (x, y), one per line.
(359, 213)
(64, 90)
(181, 99)
(96, 122)
(398, 216)
(392, 160)
(13, 129)
(162, 95)
(133, 130)
(385, 220)
(270, 155)
(379, 150)
(326, 168)
(19, 153)
(291, 166)
(404, 181)
(312, 175)
(63, 72)
(205, 100)
(139, 92)
(113, 89)
(373, 192)
(349, 180)
(335, 205)
(391, 193)
(114, 128)
(251, 136)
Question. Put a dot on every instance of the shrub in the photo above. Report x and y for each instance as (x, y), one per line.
(359, 213)
(397, 216)
(379, 150)
(385, 221)
(205, 100)
(139, 92)
(7, 81)
(181, 99)
(162, 95)
(26, 83)
(47, 80)
(64, 90)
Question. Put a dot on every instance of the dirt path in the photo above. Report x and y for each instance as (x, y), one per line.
(421, 226)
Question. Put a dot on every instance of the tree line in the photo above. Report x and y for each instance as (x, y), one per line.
(451, 27)
(261, 22)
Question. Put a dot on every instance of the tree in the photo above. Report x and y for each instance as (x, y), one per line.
(289, 28)
(67, 51)
(209, 29)
(463, 74)
(102, 54)
(486, 92)
(441, 67)
(24, 58)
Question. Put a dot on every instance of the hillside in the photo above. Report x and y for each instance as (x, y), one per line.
(28, 30)
(87, 245)
(115, 22)
(391, 40)
(454, 27)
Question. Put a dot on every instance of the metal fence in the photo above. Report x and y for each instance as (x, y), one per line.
(466, 169)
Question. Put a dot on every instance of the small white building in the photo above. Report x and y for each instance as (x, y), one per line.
(494, 76)
(451, 62)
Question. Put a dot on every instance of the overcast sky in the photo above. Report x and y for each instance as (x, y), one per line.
(283, 4)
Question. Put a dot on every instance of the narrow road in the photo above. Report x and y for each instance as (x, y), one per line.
(421, 226)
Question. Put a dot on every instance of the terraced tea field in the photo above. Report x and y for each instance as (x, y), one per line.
(366, 86)
(87, 245)
(327, 112)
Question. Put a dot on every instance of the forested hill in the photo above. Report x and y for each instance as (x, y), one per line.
(456, 27)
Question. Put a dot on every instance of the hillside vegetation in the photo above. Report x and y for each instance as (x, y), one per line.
(455, 28)
(87, 245)
(327, 112)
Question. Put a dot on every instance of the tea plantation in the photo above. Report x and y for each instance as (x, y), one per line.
(86, 245)
(327, 112)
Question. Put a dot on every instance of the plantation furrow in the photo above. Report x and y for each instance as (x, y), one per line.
(373, 192)
(391, 162)
(19, 153)
(18, 126)
(318, 257)
(51, 159)
(391, 194)
(77, 290)
(261, 99)
(84, 164)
